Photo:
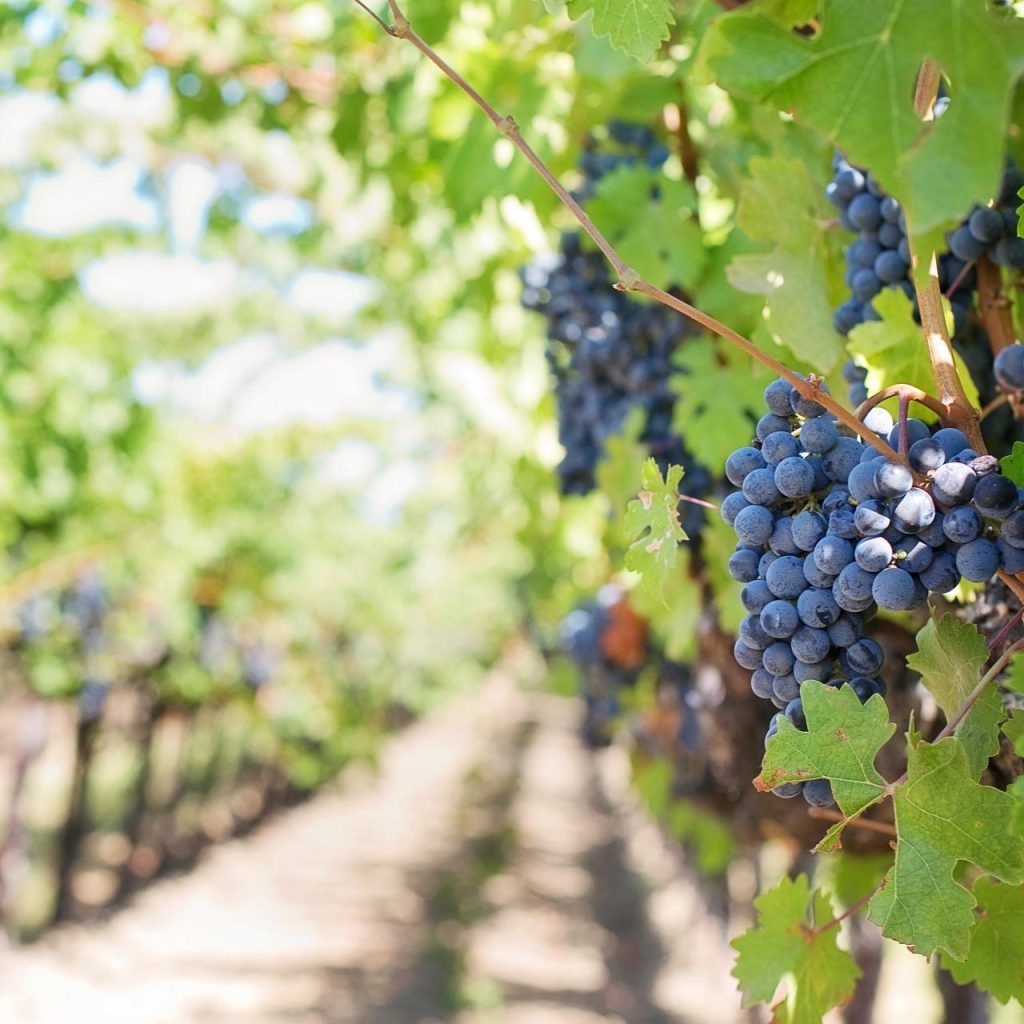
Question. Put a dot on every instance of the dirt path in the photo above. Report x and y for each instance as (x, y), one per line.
(493, 872)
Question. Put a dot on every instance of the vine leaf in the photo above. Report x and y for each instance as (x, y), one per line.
(786, 947)
(637, 27)
(652, 523)
(943, 817)
(997, 942)
(716, 414)
(843, 738)
(950, 656)
(1012, 465)
(890, 350)
(854, 82)
(781, 204)
(661, 240)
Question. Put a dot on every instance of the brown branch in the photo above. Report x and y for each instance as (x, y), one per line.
(959, 411)
(904, 392)
(687, 150)
(1007, 629)
(971, 698)
(849, 911)
(827, 814)
(994, 306)
(629, 279)
(1000, 399)
(1015, 583)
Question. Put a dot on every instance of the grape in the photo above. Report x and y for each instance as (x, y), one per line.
(778, 658)
(951, 440)
(754, 525)
(819, 670)
(962, 524)
(873, 554)
(865, 657)
(861, 481)
(752, 633)
(771, 424)
(761, 683)
(853, 587)
(795, 713)
(777, 397)
(807, 407)
(995, 497)
(879, 420)
(817, 607)
(778, 446)
(766, 559)
(865, 688)
(815, 576)
(756, 596)
(985, 224)
(788, 790)
(840, 461)
(846, 630)
(892, 480)
(977, 560)
(779, 619)
(743, 565)
(890, 267)
(916, 431)
(732, 505)
(785, 577)
(785, 688)
(741, 463)
(872, 517)
(984, 465)
(965, 246)
(794, 477)
(914, 511)
(893, 589)
(808, 528)
(1013, 530)
(926, 455)
(781, 540)
(1011, 558)
(942, 575)
(838, 498)
(933, 534)
(819, 435)
(841, 523)
(865, 212)
(1009, 368)
(810, 645)
(759, 487)
(832, 554)
(818, 793)
(953, 483)
(746, 656)
(913, 554)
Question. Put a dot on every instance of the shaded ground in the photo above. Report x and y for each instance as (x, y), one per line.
(493, 871)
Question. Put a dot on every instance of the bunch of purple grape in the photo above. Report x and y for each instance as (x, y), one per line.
(829, 531)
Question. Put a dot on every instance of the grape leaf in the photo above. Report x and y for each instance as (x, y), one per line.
(997, 942)
(659, 238)
(854, 82)
(950, 656)
(942, 817)
(893, 351)
(652, 521)
(637, 27)
(782, 205)
(843, 738)
(785, 947)
(1012, 465)
(722, 417)
(673, 611)
(616, 472)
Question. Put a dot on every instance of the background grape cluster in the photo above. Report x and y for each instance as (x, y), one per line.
(609, 354)
(829, 531)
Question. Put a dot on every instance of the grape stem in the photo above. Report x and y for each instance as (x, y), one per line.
(827, 814)
(996, 402)
(995, 307)
(905, 392)
(999, 638)
(959, 411)
(852, 909)
(628, 279)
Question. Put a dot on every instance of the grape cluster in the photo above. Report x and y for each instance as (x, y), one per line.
(829, 531)
(609, 354)
(628, 145)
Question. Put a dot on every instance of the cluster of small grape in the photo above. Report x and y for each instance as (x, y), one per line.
(609, 354)
(829, 531)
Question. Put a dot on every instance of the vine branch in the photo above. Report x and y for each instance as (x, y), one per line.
(995, 308)
(629, 279)
(902, 391)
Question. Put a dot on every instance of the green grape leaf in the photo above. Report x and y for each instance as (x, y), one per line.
(950, 657)
(659, 238)
(854, 82)
(790, 12)
(1016, 790)
(943, 817)
(780, 204)
(893, 351)
(637, 27)
(1014, 680)
(723, 415)
(1012, 465)
(789, 945)
(996, 955)
(1013, 728)
(842, 739)
(673, 611)
(652, 521)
